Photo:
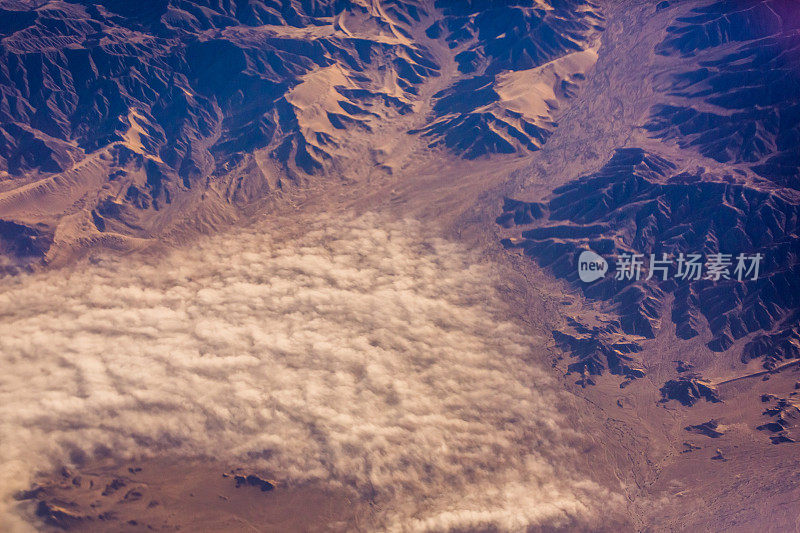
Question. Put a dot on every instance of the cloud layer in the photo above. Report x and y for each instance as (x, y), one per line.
(363, 354)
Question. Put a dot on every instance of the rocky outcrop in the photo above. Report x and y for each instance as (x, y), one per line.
(784, 419)
(24, 242)
(709, 429)
(597, 350)
(688, 390)
(253, 480)
(60, 517)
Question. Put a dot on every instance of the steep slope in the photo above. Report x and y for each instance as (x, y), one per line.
(193, 83)
(121, 111)
(614, 126)
(639, 203)
(522, 59)
(738, 103)
(120, 124)
(682, 140)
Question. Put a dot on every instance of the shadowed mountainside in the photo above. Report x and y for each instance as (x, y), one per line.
(638, 203)
(734, 88)
(121, 122)
(728, 79)
(521, 60)
(646, 127)
(187, 85)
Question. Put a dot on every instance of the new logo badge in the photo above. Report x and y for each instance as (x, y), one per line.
(591, 266)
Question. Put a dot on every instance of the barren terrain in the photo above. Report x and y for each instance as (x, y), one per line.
(329, 248)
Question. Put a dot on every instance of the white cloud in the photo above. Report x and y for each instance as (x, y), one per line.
(362, 354)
